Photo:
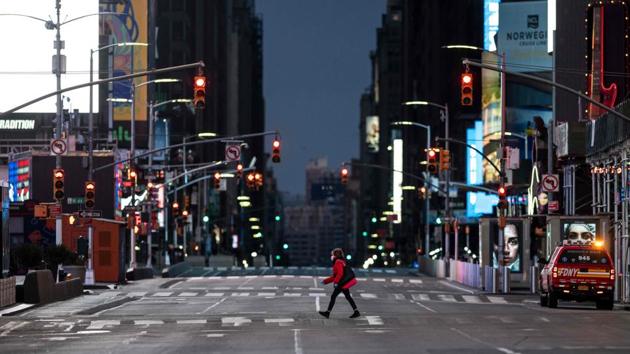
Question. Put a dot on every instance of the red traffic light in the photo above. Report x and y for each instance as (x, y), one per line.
(276, 143)
(199, 92)
(59, 174)
(200, 81)
(175, 205)
(432, 153)
(502, 191)
(467, 89)
(466, 78)
(275, 151)
(344, 171)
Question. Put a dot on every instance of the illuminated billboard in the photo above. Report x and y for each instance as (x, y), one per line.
(26, 59)
(130, 26)
(397, 179)
(490, 23)
(19, 180)
(477, 203)
(372, 133)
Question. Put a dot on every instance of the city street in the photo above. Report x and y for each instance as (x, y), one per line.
(276, 313)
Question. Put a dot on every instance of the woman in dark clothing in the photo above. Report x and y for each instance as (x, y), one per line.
(339, 264)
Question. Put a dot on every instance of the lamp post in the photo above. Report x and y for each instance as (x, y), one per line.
(427, 203)
(447, 173)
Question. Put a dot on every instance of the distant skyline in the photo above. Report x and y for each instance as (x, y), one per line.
(316, 66)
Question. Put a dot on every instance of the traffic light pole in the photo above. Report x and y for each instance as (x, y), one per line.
(447, 177)
(58, 135)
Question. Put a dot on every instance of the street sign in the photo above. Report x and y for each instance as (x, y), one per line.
(54, 210)
(90, 214)
(551, 183)
(554, 205)
(41, 211)
(58, 147)
(232, 152)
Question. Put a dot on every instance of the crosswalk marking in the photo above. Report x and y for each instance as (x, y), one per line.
(269, 276)
(316, 294)
(221, 288)
(240, 294)
(236, 321)
(292, 294)
(245, 288)
(399, 296)
(278, 320)
(232, 277)
(368, 296)
(379, 279)
(188, 294)
(100, 324)
(471, 299)
(163, 294)
(397, 280)
(137, 293)
(496, 300)
(420, 297)
(415, 281)
(288, 276)
(191, 321)
(269, 288)
(214, 294)
(266, 294)
(215, 335)
(447, 298)
(148, 322)
(374, 320)
(390, 271)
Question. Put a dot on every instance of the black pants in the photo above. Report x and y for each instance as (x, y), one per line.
(346, 293)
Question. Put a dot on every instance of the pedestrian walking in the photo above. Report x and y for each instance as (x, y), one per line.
(343, 279)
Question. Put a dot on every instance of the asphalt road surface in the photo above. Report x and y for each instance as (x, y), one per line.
(277, 313)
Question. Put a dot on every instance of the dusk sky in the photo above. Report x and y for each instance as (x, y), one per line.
(316, 65)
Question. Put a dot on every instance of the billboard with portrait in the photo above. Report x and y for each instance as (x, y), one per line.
(512, 252)
(372, 133)
(578, 231)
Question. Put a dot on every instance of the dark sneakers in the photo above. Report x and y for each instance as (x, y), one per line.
(325, 313)
(355, 314)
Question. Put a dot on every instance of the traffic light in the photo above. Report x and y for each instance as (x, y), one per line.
(239, 170)
(275, 151)
(467, 89)
(58, 184)
(175, 209)
(217, 180)
(432, 161)
(251, 180)
(199, 92)
(422, 192)
(277, 218)
(258, 180)
(445, 160)
(132, 176)
(90, 194)
(502, 204)
(343, 175)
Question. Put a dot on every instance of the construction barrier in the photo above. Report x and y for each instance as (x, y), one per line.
(7, 291)
(465, 273)
(432, 267)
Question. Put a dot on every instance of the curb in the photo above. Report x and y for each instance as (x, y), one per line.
(20, 307)
(623, 307)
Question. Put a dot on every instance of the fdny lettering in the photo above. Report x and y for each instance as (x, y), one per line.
(567, 272)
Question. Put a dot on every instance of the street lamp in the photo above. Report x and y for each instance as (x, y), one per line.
(447, 173)
(202, 135)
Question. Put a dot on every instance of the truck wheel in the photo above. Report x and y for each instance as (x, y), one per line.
(552, 300)
(544, 299)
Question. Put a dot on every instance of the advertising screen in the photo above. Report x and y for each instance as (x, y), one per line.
(579, 231)
(372, 133)
(26, 60)
(512, 252)
(19, 180)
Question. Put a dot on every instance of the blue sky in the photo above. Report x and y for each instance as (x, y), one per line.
(316, 65)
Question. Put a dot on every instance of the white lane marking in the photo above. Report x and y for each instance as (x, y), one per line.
(163, 294)
(314, 283)
(288, 276)
(424, 306)
(251, 276)
(306, 276)
(361, 279)
(221, 288)
(368, 296)
(297, 342)
(497, 300)
(269, 288)
(397, 280)
(476, 340)
(148, 322)
(212, 306)
(471, 299)
(544, 319)
(266, 294)
(195, 278)
(11, 326)
(191, 321)
(100, 324)
(188, 294)
(378, 279)
(444, 282)
(316, 294)
(374, 320)
(399, 296)
(506, 350)
(447, 298)
(317, 307)
(214, 294)
(57, 339)
(137, 294)
(240, 294)
(421, 297)
(236, 321)
(292, 294)
(215, 335)
(269, 276)
(232, 277)
(94, 332)
(415, 281)
(278, 320)
(245, 288)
